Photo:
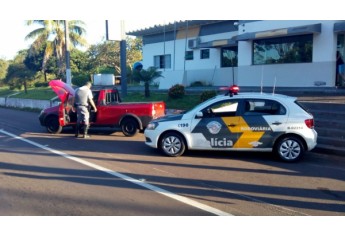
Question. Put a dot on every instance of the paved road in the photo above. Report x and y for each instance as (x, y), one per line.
(44, 174)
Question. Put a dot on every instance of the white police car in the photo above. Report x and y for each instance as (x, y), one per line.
(244, 122)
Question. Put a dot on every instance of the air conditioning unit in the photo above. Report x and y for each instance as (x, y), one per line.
(193, 43)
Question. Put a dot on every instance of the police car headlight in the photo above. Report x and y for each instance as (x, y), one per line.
(152, 125)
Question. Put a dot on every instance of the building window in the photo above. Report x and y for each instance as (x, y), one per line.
(189, 55)
(229, 57)
(204, 53)
(162, 61)
(293, 49)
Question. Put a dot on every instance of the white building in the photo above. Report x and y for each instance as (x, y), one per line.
(282, 53)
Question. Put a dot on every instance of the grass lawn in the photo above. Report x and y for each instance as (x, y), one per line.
(4, 91)
(43, 93)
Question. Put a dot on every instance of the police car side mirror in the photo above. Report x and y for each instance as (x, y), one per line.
(199, 114)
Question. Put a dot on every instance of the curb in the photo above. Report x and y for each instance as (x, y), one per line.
(329, 150)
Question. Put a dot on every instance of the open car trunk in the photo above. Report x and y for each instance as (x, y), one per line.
(65, 93)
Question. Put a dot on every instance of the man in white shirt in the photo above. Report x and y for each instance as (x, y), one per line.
(83, 97)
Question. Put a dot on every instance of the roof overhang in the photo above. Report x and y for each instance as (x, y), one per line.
(339, 27)
(219, 43)
(158, 29)
(299, 30)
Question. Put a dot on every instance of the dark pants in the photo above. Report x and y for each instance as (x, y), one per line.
(83, 117)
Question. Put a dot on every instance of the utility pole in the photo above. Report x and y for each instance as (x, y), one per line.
(68, 67)
(123, 55)
(123, 59)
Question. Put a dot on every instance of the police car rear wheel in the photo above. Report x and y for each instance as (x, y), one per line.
(290, 149)
(172, 144)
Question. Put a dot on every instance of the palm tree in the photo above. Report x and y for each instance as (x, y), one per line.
(147, 76)
(51, 33)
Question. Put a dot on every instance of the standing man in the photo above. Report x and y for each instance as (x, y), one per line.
(340, 70)
(83, 97)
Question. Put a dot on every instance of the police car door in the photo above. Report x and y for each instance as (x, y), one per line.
(261, 122)
(217, 128)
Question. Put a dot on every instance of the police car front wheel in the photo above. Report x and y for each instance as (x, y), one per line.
(172, 144)
(290, 149)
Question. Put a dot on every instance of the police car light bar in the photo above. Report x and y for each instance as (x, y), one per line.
(232, 90)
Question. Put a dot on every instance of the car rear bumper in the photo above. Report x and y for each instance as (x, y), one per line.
(311, 140)
(41, 118)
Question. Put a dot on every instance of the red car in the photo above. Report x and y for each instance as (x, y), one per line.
(130, 117)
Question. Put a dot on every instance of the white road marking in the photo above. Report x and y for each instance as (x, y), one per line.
(156, 189)
(277, 207)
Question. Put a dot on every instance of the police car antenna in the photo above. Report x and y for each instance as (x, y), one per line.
(274, 85)
(262, 79)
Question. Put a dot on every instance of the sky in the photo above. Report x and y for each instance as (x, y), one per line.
(141, 14)
(9, 46)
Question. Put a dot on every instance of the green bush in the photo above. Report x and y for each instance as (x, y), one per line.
(105, 70)
(197, 84)
(207, 95)
(41, 84)
(80, 80)
(176, 91)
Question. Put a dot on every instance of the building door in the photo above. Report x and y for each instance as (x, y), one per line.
(340, 70)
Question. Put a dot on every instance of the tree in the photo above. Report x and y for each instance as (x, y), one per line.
(3, 69)
(147, 76)
(18, 74)
(34, 61)
(51, 33)
(80, 62)
(134, 54)
(81, 67)
(134, 50)
(106, 56)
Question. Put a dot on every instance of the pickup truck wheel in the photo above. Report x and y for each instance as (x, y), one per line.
(53, 125)
(129, 127)
(172, 144)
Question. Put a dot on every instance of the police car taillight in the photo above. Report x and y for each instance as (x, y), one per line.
(309, 123)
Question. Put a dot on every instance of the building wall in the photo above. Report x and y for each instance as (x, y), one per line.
(28, 103)
(320, 72)
(177, 51)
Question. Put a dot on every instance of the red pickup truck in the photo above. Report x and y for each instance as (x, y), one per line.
(130, 117)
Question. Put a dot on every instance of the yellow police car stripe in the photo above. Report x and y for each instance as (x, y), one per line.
(238, 125)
